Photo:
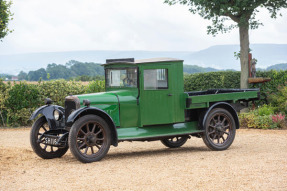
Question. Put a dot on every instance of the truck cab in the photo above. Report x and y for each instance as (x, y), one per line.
(144, 101)
(150, 91)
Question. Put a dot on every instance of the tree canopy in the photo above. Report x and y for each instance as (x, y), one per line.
(5, 17)
(242, 12)
(73, 69)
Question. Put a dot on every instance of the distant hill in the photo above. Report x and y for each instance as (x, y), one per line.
(220, 57)
(191, 69)
(278, 67)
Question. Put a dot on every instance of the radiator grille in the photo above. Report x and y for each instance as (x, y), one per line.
(71, 104)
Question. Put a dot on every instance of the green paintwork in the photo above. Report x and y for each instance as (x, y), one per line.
(143, 114)
(157, 107)
(202, 101)
(106, 101)
(134, 133)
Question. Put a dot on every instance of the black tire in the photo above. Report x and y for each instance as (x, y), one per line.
(219, 129)
(174, 142)
(88, 133)
(42, 150)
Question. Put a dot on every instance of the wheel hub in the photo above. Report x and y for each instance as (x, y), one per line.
(90, 139)
(219, 129)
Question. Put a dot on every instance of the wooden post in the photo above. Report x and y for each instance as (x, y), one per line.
(249, 64)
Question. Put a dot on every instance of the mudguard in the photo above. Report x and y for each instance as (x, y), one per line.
(223, 105)
(47, 111)
(96, 111)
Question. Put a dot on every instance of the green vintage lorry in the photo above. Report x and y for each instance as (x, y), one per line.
(144, 101)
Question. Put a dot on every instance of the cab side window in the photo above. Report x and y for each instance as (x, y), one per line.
(155, 79)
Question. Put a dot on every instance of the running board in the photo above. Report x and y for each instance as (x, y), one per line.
(157, 131)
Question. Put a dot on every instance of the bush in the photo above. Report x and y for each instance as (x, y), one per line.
(262, 118)
(265, 110)
(95, 86)
(279, 98)
(278, 79)
(211, 80)
(57, 90)
(20, 100)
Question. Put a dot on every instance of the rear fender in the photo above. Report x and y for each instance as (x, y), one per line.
(48, 112)
(95, 111)
(223, 105)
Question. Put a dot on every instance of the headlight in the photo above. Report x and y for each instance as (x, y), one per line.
(57, 115)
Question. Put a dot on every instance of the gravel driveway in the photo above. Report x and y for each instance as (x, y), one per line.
(257, 160)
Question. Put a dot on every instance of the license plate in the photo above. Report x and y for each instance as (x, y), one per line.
(50, 141)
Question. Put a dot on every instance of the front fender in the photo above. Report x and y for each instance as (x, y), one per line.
(47, 111)
(95, 111)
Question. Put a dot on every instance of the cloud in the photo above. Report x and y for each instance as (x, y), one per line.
(50, 25)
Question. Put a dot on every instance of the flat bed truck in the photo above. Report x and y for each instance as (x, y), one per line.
(144, 101)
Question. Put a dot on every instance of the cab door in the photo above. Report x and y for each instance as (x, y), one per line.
(157, 97)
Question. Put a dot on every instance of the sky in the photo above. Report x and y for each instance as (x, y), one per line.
(72, 25)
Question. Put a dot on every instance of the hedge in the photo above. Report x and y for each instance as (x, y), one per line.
(230, 79)
(18, 101)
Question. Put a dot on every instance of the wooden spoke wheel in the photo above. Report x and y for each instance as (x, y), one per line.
(219, 129)
(89, 138)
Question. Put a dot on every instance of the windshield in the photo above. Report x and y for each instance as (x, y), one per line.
(121, 77)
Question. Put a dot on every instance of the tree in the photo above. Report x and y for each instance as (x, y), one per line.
(37, 75)
(5, 17)
(242, 12)
(23, 76)
(57, 71)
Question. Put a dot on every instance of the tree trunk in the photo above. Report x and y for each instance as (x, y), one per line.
(244, 50)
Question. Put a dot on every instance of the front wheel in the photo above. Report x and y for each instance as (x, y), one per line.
(38, 141)
(89, 138)
(219, 129)
(174, 142)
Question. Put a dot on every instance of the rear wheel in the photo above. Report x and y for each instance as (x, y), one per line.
(89, 138)
(174, 142)
(219, 129)
(38, 141)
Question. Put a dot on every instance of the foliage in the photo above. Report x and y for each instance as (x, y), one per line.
(279, 99)
(85, 69)
(265, 110)
(95, 86)
(88, 78)
(242, 12)
(57, 90)
(279, 120)
(278, 79)
(22, 76)
(262, 118)
(18, 101)
(21, 100)
(211, 80)
(71, 70)
(5, 17)
(36, 75)
(58, 71)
